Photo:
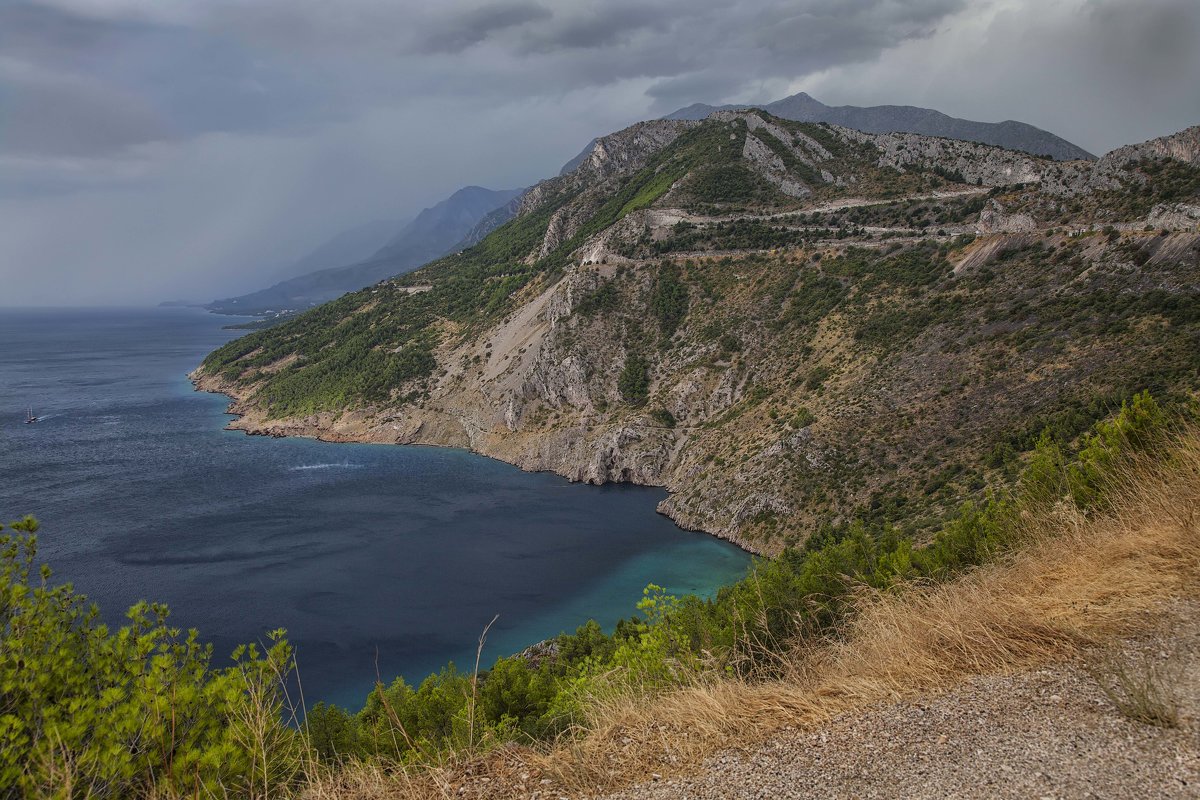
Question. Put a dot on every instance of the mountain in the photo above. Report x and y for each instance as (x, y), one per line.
(909, 119)
(434, 232)
(574, 163)
(347, 247)
(792, 327)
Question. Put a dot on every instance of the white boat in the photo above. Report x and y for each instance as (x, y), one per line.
(30, 417)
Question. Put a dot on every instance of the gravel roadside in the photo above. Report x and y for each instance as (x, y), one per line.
(1049, 733)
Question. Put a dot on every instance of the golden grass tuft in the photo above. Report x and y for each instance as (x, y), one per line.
(1076, 581)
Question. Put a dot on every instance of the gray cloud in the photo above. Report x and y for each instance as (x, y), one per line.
(472, 27)
(74, 85)
(71, 115)
(676, 92)
(246, 131)
(594, 26)
(817, 33)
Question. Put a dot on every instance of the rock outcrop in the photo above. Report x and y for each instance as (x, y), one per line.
(1182, 146)
(993, 220)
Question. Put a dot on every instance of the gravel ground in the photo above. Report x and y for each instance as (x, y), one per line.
(1049, 733)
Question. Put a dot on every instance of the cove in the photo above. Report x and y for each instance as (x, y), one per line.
(371, 556)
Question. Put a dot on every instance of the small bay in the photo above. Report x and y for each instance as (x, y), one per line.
(367, 554)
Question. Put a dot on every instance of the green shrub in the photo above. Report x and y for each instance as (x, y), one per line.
(669, 300)
(663, 417)
(132, 711)
(634, 381)
(817, 376)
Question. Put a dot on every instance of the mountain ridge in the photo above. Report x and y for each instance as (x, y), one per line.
(802, 107)
(434, 232)
(347, 247)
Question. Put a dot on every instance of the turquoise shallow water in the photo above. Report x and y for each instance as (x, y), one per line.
(360, 551)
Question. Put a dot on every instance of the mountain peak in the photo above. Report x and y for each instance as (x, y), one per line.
(802, 97)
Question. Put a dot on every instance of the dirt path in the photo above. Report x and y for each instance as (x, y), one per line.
(1049, 733)
(678, 214)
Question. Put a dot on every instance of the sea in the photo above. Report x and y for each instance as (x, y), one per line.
(379, 560)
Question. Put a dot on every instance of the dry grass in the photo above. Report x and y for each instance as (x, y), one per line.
(1140, 687)
(1076, 583)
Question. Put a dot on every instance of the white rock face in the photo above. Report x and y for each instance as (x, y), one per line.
(798, 143)
(613, 155)
(977, 163)
(1183, 146)
(1174, 217)
(770, 167)
(627, 150)
(992, 219)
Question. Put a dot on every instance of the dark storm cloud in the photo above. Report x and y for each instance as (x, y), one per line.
(595, 26)
(50, 101)
(81, 86)
(476, 25)
(41, 31)
(46, 114)
(819, 33)
(117, 73)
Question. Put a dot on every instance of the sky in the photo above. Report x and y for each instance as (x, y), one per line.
(162, 149)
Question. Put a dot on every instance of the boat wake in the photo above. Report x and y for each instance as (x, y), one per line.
(325, 465)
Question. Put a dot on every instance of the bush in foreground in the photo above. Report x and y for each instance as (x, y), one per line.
(92, 712)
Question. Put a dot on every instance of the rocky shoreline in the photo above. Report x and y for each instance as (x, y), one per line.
(360, 427)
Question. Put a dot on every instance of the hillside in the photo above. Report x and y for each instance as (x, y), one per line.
(790, 326)
(909, 119)
(344, 265)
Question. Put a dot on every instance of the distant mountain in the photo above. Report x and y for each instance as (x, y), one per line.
(908, 119)
(179, 304)
(492, 220)
(437, 230)
(347, 247)
(434, 232)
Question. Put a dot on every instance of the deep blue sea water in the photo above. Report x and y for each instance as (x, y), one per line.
(407, 552)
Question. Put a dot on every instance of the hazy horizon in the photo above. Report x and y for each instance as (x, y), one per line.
(154, 151)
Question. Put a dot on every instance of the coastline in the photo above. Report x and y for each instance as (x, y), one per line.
(430, 428)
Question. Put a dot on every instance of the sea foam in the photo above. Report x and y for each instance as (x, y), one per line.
(325, 465)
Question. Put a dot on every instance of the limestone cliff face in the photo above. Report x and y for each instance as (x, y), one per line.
(977, 163)
(993, 220)
(1174, 217)
(991, 166)
(771, 167)
(1182, 146)
(627, 149)
(610, 157)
